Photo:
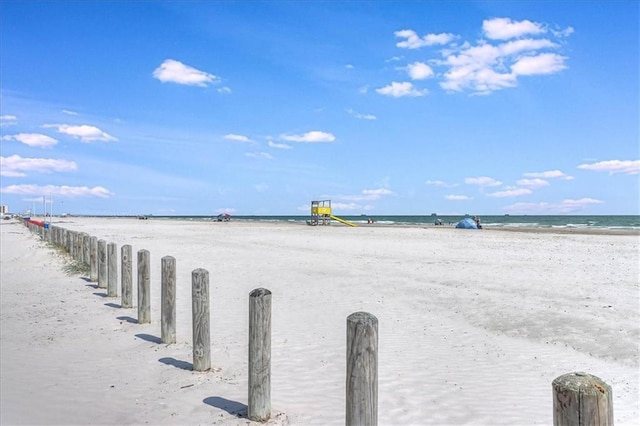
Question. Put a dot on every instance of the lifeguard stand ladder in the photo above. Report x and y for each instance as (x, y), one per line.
(320, 213)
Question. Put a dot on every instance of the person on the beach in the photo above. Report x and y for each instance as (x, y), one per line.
(476, 219)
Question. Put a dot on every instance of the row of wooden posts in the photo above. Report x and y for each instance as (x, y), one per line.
(578, 398)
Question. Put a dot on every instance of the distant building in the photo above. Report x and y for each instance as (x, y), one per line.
(4, 209)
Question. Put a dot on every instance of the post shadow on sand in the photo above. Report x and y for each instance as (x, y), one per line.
(87, 279)
(95, 286)
(128, 319)
(100, 294)
(234, 408)
(112, 305)
(183, 365)
(149, 338)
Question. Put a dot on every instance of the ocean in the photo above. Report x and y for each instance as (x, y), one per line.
(551, 221)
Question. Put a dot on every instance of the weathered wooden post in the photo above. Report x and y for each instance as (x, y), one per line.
(102, 264)
(72, 244)
(259, 406)
(64, 241)
(93, 259)
(86, 249)
(126, 278)
(581, 399)
(112, 270)
(168, 305)
(76, 245)
(77, 250)
(362, 369)
(200, 314)
(144, 287)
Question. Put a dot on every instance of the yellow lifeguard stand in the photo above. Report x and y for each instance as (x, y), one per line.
(320, 213)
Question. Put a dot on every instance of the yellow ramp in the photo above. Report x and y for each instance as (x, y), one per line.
(346, 222)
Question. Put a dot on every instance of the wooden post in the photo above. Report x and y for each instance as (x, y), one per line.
(200, 313)
(580, 399)
(112, 270)
(63, 240)
(102, 264)
(362, 369)
(77, 250)
(77, 246)
(259, 406)
(67, 242)
(93, 259)
(72, 244)
(126, 279)
(86, 249)
(144, 287)
(168, 305)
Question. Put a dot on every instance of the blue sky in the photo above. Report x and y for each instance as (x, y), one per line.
(257, 108)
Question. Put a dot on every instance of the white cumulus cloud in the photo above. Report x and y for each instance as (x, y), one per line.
(419, 71)
(276, 145)
(172, 71)
(549, 174)
(398, 90)
(413, 41)
(83, 132)
(482, 181)
(237, 138)
(509, 50)
(505, 28)
(314, 136)
(627, 167)
(546, 63)
(8, 120)
(37, 140)
(17, 166)
(533, 183)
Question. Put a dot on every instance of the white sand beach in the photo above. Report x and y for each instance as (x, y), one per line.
(473, 325)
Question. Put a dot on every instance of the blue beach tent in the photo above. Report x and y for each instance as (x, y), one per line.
(467, 223)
